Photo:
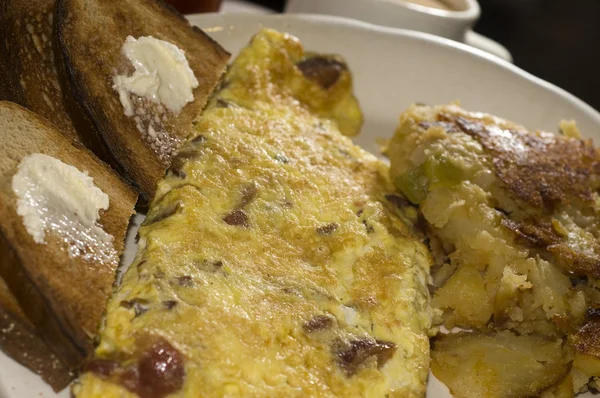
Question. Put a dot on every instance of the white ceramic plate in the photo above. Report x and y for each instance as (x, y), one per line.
(392, 68)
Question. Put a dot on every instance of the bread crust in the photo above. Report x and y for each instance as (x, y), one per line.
(21, 341)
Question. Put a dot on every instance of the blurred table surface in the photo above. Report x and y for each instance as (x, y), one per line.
(557, 40)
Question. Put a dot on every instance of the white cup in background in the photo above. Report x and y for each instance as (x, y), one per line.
(454, 24)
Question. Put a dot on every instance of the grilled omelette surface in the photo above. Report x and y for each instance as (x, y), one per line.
(273, 261)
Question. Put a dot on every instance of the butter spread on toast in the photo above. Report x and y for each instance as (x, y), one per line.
(273, 261)
(54, 196)
(162, 82)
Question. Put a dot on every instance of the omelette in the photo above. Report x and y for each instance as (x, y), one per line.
(276, 259)
(513, 221)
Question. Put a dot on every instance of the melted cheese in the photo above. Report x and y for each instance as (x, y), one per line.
(273, 237)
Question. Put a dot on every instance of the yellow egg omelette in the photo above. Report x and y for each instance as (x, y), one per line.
(275, 260)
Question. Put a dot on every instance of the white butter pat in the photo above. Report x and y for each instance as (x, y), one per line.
(162, 75)
(54, 196)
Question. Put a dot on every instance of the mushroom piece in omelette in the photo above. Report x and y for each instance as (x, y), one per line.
(513, 220)
(274, 261)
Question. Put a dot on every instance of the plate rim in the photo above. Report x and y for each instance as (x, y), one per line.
(230, 19)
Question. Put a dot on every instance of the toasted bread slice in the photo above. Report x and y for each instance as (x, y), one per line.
(92, 60)
(29, 70)
(30, 79)
(62, 295)
(21, 340)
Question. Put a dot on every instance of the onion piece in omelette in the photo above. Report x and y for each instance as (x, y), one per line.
(513, 221)
(274, 261)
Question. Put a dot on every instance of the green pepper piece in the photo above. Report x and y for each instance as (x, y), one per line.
(414, 184)
(442, 171)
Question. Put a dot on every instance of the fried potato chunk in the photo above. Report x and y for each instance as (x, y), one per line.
(513, 218)
(499, 364)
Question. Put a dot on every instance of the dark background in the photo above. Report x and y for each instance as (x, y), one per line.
(557, 40)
